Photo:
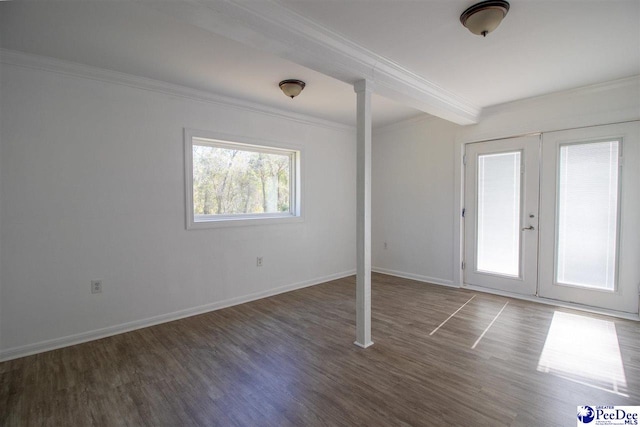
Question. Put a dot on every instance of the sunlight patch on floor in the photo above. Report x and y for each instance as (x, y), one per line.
(584, 350)
(475, 344)
(452, 314)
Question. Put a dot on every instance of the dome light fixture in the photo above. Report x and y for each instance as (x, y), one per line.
(292, 87)
(484, 17)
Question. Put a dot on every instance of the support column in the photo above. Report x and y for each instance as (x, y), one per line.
(363, 89)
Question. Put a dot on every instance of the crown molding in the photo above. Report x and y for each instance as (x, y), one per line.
(614, 101)
(45, 63)
(269, 26)
(626, 83)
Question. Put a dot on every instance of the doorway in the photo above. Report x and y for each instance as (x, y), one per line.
(501, 214)
(556, 216)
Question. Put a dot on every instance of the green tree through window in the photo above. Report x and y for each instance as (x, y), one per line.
(235, 181)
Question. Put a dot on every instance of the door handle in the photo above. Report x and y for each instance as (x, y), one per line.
(531, 227)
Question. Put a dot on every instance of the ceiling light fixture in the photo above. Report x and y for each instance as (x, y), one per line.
(484, 17)
(292, 87)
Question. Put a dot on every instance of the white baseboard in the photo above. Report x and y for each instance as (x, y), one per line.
(418, 277)
(557, 303)
(532, 298)
(42, 346)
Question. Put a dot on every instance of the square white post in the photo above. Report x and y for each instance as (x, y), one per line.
(363, 89)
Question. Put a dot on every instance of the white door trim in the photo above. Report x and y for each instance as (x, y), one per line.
(624, 297)
(458, 235)
(525, 281)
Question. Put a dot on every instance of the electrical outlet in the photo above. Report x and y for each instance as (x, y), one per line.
(259, 261)
(96, 286)
(385, 245)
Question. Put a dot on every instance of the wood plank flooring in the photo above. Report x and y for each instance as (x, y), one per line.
(290, 360)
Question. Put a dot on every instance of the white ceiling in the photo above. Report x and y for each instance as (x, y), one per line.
(541, 47)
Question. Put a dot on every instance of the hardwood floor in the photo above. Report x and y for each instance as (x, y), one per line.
(290, 360)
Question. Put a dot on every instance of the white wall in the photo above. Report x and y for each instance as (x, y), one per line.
(412, 199)
(417, 169)
(92, 179)
(604, 103)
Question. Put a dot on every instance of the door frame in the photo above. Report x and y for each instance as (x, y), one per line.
(458, 229)
(526, 283)
(624, 297)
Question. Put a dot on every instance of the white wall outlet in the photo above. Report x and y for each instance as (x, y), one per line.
(96, 286)
(259, 261)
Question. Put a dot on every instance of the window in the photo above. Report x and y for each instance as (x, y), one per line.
(234, 183)
(588, 187)
(499, 203)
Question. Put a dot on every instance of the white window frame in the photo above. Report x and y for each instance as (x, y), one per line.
(225, 141)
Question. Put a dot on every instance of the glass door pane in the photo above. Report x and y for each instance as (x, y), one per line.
(501, 214)
(587, 215)
(498, 232)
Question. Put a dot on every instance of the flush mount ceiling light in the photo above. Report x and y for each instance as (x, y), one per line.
(484, 17)
(292, 87)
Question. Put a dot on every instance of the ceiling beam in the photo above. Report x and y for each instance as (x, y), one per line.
(269, 26)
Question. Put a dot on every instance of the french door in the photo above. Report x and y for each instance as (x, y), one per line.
(501, 214)
(557, 216)
(590, 214)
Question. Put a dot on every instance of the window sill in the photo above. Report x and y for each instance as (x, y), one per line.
(244, 221)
